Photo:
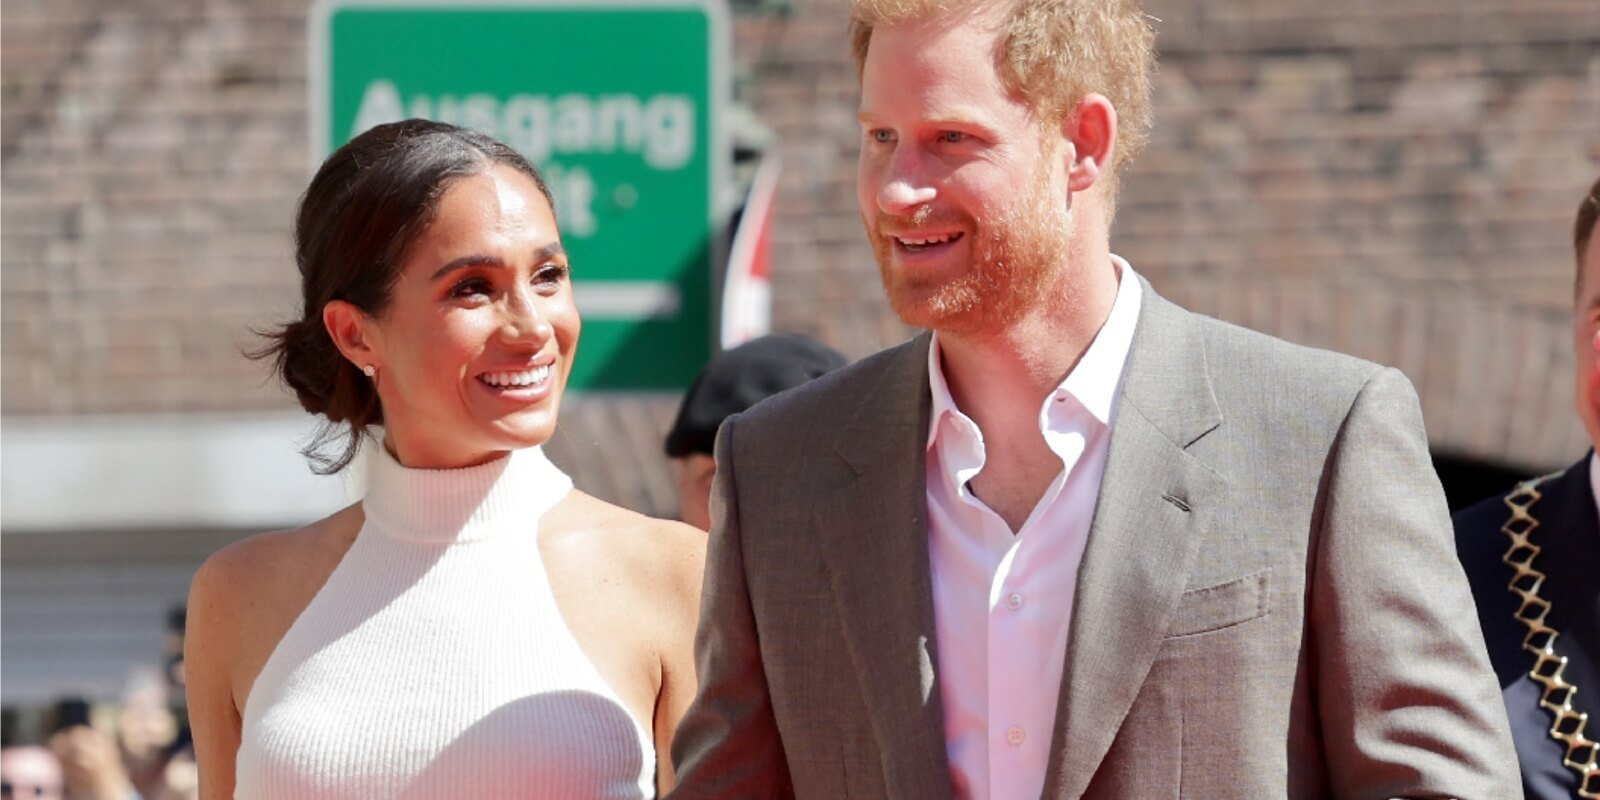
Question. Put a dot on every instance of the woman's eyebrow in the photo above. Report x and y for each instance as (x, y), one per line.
(548, 251)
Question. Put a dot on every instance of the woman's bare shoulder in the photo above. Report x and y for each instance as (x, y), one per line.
(660, 557)
(268, 568)
(243, 599)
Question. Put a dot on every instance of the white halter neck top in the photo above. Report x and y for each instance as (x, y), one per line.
(434, 662)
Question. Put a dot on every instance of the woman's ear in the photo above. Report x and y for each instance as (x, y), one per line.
(353, 332)
(1092, 129)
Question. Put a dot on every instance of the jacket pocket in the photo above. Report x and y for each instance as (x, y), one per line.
(1225, 605)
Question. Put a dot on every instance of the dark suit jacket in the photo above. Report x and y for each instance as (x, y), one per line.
(1569, 540)
(1268, 606)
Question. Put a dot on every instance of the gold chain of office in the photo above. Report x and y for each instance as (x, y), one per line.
(1569, 724)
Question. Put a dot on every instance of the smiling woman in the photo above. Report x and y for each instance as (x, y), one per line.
(474, 627)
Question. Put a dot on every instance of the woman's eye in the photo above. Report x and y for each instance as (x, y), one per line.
(471, 287)
(550, 275)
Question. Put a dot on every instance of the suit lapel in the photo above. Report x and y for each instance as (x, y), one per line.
(1568, 532)
(874, 535)
(1155, 499)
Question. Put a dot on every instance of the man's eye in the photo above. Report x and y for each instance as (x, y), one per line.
(952, 137)
(881, 136)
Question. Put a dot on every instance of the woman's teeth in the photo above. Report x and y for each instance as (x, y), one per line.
(516, 380)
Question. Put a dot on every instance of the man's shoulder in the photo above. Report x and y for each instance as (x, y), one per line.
(1486, 514)
(831, 399)
(1479, 541)
(1266, 388)
(1234, 351)
(1481, 547)
(1479, 537)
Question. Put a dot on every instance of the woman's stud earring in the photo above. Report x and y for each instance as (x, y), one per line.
(370, 371)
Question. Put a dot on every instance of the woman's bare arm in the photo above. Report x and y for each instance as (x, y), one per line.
(208, 671)
(683, 568)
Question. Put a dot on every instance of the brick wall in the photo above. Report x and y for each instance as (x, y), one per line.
(1396, 180)
(153, 153)
(1392, 179)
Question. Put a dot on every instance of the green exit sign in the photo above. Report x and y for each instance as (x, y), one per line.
(619, 104)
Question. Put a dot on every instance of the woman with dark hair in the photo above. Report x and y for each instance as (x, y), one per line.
(474, 627)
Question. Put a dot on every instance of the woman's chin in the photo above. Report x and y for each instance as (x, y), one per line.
(524, 430)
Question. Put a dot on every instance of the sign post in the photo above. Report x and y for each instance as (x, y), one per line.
(618, 103)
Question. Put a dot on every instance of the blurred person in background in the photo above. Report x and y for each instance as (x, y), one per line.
(30, 772)
(731, 382)
(1076, 541)
(180, 769)
(90, 759)
(1533, 556)
(146, 727)
(474, 626)
(172, 652)
(148, 739)
(91, 764)
(125, 754)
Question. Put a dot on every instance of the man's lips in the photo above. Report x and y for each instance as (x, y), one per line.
(922, 241)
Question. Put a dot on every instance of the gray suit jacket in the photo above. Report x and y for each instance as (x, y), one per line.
(1269, 605)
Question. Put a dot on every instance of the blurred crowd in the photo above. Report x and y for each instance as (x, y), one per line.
(137, 748)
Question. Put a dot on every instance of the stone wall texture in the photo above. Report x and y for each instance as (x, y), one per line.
(1392, 179)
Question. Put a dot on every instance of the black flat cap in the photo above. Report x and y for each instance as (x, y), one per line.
(737, 379)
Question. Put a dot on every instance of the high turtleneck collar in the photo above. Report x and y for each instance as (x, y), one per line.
(444, 506)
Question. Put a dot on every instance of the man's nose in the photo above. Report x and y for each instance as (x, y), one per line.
(905, 185)
(899, 198)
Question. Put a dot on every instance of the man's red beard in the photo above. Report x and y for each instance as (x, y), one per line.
(1012, 258)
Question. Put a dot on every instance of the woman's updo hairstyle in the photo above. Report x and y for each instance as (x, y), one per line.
(358, 219)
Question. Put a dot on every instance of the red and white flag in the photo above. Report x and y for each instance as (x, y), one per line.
(747, 285)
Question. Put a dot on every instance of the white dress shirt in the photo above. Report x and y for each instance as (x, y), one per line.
(1594, 478)
(1003, 601)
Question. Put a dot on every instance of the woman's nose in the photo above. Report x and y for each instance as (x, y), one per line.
(523, 319)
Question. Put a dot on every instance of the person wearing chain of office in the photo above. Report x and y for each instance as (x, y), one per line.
(1549, 663)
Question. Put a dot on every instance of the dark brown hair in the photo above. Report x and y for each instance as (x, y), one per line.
(1583, 229)
(362, 212)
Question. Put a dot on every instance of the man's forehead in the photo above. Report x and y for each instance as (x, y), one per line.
(939, 20)
(905, 59)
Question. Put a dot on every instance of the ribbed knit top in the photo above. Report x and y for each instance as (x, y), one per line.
(434, 662)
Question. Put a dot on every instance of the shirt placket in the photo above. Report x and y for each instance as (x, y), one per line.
(1008, 736)
(1018, 611)
(966, 458)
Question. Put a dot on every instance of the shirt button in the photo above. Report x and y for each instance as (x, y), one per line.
(1015, 735)
(1014, 601)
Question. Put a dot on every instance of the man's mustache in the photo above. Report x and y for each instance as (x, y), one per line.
(925, 217)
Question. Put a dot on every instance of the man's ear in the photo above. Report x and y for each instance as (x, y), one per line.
(1092, 131)
(353, 332)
